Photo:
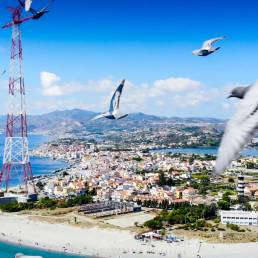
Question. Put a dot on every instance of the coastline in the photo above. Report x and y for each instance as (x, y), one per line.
(105, 243)
(18, 244)
(211, 150)
(15, 240)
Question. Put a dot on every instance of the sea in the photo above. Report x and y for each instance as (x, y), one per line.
(8, 251)
(40, 166)
(203, 150)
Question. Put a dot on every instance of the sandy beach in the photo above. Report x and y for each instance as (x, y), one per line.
(100, 242)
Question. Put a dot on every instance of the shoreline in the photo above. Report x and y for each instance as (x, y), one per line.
(29, 244)
(105, 243)
(65, 165)
(18, 244)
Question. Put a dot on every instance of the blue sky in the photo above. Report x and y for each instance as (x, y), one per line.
(76, 55)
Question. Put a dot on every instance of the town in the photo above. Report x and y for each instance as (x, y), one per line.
(128, 180)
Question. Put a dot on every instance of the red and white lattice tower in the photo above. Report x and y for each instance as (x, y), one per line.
(16, 162)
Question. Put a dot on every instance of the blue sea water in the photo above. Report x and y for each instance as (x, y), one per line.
(204, 150)
(40, 166)
(8, 251)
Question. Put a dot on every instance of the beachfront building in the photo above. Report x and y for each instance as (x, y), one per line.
(240, 185)
(236, 217)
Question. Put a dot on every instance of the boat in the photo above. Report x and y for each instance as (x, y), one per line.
(19, 255)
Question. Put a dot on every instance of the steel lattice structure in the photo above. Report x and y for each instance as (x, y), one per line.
(16, 162)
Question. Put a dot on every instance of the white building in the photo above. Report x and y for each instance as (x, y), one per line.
(248, 218)
(240, 185)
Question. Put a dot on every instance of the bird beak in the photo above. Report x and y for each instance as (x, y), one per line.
(230, 96)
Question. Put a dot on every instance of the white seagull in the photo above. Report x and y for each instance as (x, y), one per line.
(207, 47)
(114, 105)
(28, 5)
(240, 128)
(36, 14)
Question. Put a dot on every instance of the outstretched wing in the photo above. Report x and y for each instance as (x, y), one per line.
(115, 100)
(239, 130)
(46, 7)
(21, 3)
(208, 43)
(98, 116)
(121, 117)
(28, 5)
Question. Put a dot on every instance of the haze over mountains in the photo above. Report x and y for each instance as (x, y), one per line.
(77, 121)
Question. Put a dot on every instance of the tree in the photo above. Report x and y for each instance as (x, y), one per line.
(231, 180)
(225, 197)
(155, 223)
(183, 214)
(40, 185)
(162, 179)
(191, 159)
(170, 182)
(137, 159)
(164, 205)
(46, 203)
(223, 205)
(251, 165)
(246, 206)
(203, 190)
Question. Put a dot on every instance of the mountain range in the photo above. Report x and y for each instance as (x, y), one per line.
(77, 121)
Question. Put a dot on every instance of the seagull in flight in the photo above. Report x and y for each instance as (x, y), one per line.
(36, 14)
(239, 92)
(241, 127)
(114, 105)
(207, 47)
(28, 4)
(2, 73)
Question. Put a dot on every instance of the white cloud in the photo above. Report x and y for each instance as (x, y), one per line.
(175, 93)
(159, 103)
(52, 86)
(173, 84)
(49, 86)
(194, 98)
(104, 85)
(168, 92)
(226, 106)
